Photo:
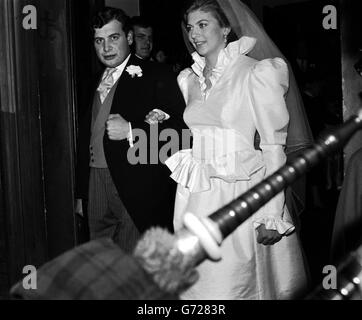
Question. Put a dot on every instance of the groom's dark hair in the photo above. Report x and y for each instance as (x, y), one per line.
(108, 14)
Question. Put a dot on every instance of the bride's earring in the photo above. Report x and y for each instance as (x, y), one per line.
(225, 39)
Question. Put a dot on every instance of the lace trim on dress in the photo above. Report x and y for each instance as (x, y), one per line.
(272, 223)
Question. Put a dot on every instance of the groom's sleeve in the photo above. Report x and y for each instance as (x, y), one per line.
(169, 98)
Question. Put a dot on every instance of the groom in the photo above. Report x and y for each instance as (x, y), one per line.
(125, 199)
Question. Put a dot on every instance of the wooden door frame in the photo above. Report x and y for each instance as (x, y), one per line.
(20, 143)
(37, 133)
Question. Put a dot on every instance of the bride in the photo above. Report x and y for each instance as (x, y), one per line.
(239, 86)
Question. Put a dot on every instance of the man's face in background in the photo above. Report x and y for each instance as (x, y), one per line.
(143, 41)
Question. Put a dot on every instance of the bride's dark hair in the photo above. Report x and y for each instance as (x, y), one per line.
(211, 6)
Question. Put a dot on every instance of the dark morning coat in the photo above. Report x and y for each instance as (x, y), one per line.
(146, 190)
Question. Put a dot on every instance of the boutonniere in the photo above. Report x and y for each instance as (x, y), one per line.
(134, 71)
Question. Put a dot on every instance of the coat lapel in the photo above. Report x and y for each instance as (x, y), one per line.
(127, 90)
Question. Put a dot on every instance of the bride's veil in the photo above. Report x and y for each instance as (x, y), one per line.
(244, 23)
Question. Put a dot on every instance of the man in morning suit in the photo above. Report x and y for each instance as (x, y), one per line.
(125, 199)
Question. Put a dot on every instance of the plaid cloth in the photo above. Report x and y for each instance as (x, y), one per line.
(98, 270)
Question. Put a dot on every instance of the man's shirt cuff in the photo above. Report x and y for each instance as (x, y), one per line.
(130, 135)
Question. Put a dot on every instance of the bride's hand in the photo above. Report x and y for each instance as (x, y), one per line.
(154, 117)
(268, 237)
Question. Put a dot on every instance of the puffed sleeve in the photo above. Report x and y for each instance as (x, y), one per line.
(182, 80)
(268, 86)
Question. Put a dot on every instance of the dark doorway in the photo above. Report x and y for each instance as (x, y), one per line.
(40, 75)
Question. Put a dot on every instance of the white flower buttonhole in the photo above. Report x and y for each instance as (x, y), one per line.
(134, 71)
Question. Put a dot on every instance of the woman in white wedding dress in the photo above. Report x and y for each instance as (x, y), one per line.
(231, 96)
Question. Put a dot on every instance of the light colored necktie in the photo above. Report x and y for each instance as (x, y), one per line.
(106, 84)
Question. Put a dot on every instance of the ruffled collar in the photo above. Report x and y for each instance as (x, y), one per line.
(233, 50)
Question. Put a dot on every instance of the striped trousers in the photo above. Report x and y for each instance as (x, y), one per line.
(108, 217)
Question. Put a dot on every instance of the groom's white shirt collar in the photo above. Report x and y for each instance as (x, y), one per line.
(119, 70)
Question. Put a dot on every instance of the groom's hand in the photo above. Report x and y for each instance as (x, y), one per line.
(117, 127)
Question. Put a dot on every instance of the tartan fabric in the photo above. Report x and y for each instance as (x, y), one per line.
(98, 270)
